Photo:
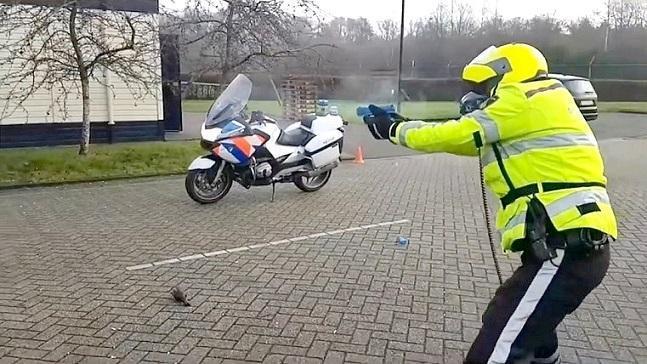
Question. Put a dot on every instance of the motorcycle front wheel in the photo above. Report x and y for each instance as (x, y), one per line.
(200, 190)
(312, 184)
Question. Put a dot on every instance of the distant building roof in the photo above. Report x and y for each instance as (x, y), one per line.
(142, 6)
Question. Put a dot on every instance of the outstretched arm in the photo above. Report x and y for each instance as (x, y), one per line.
(464, 136)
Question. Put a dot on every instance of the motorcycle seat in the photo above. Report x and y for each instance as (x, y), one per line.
(295, 137)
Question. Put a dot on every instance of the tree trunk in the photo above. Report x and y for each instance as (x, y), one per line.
(84, 146)
(226, 66)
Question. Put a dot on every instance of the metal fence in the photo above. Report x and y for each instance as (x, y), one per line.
(200, 90)
(600, 71)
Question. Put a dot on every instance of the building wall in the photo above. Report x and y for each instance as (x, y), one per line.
(42, 107)
(42, 119)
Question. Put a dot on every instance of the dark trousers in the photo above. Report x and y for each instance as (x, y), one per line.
(520, 321)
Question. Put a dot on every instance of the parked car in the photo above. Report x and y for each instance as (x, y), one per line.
(583, 93)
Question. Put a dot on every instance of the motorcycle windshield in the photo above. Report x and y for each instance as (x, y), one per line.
(231, 102)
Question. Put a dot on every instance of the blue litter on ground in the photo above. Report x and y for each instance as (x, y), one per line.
(401, 240)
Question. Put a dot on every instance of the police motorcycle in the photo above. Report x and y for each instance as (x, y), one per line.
(256, 151)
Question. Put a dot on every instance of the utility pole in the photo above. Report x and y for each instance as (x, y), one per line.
(606, 38)
(401, 53)
(496, 9)
(608, 26)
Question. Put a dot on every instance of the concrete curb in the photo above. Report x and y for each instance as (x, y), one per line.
(92, 180)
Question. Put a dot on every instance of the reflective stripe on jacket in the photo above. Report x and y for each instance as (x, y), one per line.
(533, 140)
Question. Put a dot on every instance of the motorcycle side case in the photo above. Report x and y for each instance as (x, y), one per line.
(324, 148)
(326, 123)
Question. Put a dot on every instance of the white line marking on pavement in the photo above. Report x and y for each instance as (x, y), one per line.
(168, 261)
(234, 250)
(313, 236)
(191, 257)
(300, 238)
(370, 226)
(352, 229)
(258, 246)
(213, 254)
(279, 242)
(138, 267)
(337, 232)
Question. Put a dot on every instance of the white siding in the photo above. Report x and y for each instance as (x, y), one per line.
(41, 107)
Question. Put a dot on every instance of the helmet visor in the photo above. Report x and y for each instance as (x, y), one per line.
(485, 56)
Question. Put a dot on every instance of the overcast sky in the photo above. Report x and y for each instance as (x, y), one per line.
(376, 10)
(566, 9)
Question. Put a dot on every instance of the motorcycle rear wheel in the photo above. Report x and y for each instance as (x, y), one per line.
(312, 184)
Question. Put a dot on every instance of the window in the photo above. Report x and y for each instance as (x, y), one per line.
(580, 86)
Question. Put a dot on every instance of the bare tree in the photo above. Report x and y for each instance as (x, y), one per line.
(463, 22)
(626, 14)
(388, 29)
(351, 30)
(359, 30)
(417, 28)
(437, 22)
(227, 35)
(61, 49)
(454, 18)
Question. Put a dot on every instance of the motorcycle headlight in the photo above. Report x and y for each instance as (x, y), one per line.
(207, 145)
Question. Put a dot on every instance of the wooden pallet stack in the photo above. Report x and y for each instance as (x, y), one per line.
(299, 97)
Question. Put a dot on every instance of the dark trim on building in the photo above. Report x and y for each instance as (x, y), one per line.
(141, 6)
(40, 135)
(171, 86)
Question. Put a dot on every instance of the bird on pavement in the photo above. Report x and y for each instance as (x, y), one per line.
(179, 295)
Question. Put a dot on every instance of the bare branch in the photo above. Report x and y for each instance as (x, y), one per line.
(75, 41)
(128, 46)
(238, 34)
(279, 54)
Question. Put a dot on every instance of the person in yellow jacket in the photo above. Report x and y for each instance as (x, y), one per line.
(542, 161)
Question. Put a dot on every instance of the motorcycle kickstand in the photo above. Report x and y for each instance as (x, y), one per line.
(273, 190)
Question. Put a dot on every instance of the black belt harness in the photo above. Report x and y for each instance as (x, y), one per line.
(529, 190)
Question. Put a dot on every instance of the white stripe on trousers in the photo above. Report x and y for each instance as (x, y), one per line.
(526, 307)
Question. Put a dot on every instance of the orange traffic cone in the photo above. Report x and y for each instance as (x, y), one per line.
(359, 156)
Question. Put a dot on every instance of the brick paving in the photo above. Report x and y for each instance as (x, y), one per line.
(66, 296)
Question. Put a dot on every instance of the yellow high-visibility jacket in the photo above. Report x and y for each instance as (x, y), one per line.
(533, 141)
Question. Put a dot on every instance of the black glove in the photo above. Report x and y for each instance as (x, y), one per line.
(380, 123)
